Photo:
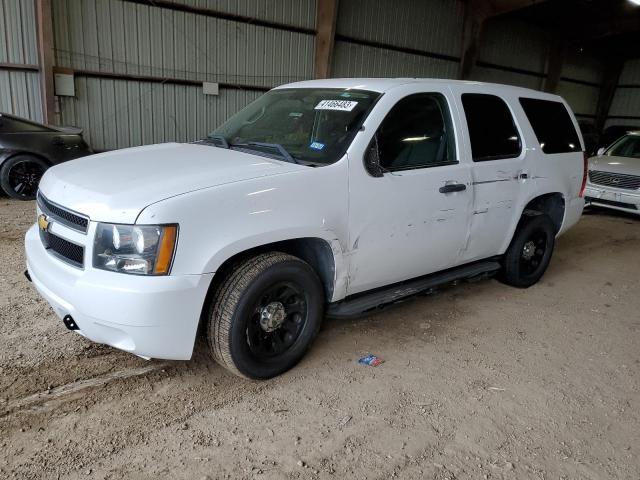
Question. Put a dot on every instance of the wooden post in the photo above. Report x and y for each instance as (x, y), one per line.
(45, 59)
(612, 73)
(326, 15)
(475, 15)
(555, 62)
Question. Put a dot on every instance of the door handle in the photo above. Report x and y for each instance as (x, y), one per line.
(453, 187)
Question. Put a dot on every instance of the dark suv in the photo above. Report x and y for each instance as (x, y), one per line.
(28, 148)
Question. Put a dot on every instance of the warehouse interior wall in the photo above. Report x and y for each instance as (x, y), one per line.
(19, 78)
(138, 67)
(626, 101)
(407, 38)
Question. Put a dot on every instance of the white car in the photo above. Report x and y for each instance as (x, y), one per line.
(614, 176)
(322, 197)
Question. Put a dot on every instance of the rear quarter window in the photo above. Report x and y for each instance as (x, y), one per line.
(552, 125)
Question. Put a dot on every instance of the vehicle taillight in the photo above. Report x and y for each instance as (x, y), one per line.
(584, 175)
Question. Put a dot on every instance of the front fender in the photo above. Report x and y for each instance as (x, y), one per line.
(248, 243)
(219, 222)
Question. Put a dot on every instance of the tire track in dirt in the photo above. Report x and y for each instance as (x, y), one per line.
(44, 401)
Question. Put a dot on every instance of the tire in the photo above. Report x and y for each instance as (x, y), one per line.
(20, 176)
(529, 254)
(264, 315)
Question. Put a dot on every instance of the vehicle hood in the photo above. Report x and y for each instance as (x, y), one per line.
(116, 186)
(626, 165)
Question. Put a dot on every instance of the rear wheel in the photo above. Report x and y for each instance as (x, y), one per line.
(20, 176)
(530, 251)
(265, 315)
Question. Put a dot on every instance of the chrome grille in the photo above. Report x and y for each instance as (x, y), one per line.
(65, 250)
(617, 180)
(69, 218)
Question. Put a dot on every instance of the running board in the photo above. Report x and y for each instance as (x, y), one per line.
(365, 302)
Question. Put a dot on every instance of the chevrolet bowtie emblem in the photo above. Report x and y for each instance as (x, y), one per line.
(43, 222)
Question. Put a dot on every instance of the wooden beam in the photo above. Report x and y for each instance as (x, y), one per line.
(475, 14)
(45, 60)
(20, 67)
(555, 61)
(613, 70)
(326, 15)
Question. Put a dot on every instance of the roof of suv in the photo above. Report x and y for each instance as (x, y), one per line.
(385, 84)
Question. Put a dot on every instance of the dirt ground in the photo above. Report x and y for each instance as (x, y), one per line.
(481, 381)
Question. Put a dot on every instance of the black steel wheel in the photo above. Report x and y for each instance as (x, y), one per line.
(529, 254)
(278, 319)
(20, 176)
(264, 315)
(533, 252)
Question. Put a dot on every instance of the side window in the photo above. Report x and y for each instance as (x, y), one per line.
(492, 131)
(416, 133)
(552, 125)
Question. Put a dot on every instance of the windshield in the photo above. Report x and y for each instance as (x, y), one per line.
(304, 125)
(627, 146)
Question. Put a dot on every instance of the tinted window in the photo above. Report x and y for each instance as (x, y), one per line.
(492, 131)
(13, 125)
(552, 125)
(416, 133)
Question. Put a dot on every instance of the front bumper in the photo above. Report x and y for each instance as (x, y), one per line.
(155, 317)
(615, 198)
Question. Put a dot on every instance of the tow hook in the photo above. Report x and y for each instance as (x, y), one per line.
(69, 322)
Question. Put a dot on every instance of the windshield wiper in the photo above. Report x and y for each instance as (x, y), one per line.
(220, 139)
(271, 146)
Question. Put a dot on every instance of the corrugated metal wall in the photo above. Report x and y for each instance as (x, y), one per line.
(122, 113)
(19, 90)
(625, 109)
(353, 60)
(430, 26)
(515, 44)
(299, 13)
(120, 37)
(582, 93)
(372, 34)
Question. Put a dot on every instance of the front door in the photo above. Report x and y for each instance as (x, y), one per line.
(412, 220)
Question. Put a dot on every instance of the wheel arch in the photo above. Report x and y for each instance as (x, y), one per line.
(9, 154)
(317, 252)
(552, 204)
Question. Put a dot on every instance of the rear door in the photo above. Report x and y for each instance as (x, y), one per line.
(497, 152)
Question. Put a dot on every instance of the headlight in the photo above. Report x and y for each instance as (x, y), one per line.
(136, 249)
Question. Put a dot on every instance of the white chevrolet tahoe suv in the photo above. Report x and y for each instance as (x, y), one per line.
(332, 197)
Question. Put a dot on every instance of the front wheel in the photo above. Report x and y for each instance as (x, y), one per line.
(20, 176)
(264, 315)
(530, 251)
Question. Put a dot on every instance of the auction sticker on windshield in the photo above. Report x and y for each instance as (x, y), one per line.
(342, 105)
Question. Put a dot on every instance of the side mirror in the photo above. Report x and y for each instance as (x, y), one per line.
(601, 151)
(372, 159)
